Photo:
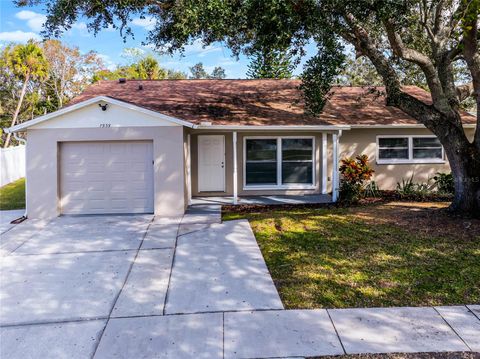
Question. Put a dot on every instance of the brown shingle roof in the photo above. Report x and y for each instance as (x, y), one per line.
(255, 102)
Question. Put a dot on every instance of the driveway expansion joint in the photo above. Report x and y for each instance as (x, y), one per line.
(453, 329)
(336, 331)
(100, 335)
(171, 266)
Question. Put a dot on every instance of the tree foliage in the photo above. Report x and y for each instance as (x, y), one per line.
(148, 69)
(270, 64)
(198, 72)
(432, 36)
(25, 64)
(218, 73)
(69, 70)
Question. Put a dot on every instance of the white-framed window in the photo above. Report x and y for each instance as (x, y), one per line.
(393, 149)
(279, 162)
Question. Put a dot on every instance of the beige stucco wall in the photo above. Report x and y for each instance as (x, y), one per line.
(43, 165)
(229, 162)
(363, 141)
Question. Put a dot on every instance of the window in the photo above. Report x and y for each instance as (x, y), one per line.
(297, 161)
(427, 147)
(261, 163)
(279, 162)
(409, 149)
(393, 148)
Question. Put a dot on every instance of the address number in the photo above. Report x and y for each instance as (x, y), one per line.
(104, 125)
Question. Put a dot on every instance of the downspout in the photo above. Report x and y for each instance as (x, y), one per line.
(24, 217)
(336, 174)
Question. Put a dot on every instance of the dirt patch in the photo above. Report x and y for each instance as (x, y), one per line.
(429, 218)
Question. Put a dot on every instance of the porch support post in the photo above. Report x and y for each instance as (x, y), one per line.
(324, 163)
(189, 170)
(335, 174)
(235, 179)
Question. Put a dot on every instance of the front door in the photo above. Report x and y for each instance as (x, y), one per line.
(211, 163)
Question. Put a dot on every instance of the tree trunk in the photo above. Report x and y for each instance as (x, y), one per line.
(17, 110)
(464, 161)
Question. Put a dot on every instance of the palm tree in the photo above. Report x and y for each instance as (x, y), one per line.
(149, 69)
(27, 62)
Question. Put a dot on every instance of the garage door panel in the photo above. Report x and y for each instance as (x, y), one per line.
(106, 177)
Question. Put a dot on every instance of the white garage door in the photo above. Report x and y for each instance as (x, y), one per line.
(106, 177)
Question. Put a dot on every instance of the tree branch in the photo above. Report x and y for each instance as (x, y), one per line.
(423, 61)
(464, 91)
(471, 54)
(414, 107)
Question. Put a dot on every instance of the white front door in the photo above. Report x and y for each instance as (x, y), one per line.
(211, 163)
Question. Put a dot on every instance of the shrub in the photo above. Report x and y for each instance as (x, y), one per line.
(354, 172)
(444, 183)
(372, 190)
(407, 188)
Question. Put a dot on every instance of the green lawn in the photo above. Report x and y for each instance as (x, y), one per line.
(12, 196)
(377, 255)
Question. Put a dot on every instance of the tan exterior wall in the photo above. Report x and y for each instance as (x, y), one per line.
(363, 141)
(229, 163)
(43, 165)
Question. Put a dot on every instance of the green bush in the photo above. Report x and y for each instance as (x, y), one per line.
(407, 188)
(444, 183)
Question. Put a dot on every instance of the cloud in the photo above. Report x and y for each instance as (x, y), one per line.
(197, 49)
(34, 20)
(228, 62)
(18, 36)
(109, 64)
(148, 23)
(79, 26)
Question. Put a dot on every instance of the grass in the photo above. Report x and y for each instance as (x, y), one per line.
(396, 254)
(12, 195)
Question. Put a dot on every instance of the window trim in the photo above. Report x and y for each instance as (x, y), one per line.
(279, 165)
(410, 159)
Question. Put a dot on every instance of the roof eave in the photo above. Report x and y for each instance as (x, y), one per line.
(273, 127)
(402, 125)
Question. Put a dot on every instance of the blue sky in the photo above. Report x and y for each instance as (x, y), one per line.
(21, 24)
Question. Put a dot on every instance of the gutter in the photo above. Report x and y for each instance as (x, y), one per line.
(273, 128)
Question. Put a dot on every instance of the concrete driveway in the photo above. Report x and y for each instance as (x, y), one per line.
(104, 286)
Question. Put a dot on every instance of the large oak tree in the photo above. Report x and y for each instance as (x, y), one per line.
(432, 35)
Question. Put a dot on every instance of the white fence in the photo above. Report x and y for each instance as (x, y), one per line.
(12, 164)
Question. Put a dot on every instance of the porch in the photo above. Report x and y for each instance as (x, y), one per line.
(263, 200)
(262, 165)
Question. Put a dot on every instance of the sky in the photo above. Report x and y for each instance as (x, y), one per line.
(21, 24)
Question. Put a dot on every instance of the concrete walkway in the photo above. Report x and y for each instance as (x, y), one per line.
(7, 216)
(138, 287)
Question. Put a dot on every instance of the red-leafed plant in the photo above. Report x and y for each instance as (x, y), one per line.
(355, 172)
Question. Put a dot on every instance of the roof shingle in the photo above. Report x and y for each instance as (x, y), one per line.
(256, 102)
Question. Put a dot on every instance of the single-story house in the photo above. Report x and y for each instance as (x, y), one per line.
(152, 146)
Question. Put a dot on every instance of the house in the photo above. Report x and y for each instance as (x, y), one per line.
(152, 146)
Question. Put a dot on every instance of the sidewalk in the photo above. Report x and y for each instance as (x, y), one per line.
(128, 287)
(206, 312)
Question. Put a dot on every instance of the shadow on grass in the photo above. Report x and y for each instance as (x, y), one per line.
(334, 258)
